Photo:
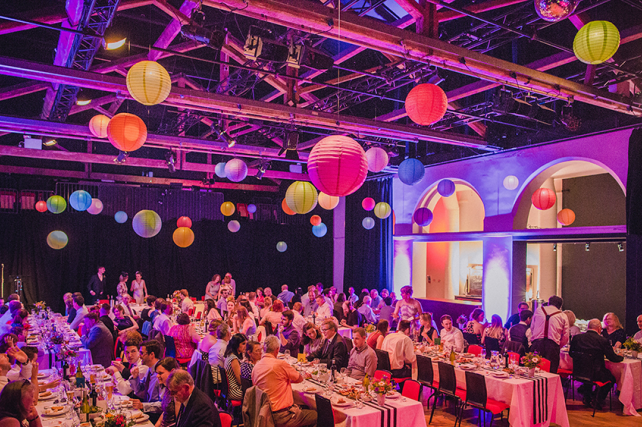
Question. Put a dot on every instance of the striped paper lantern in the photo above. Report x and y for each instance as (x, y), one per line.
(426, 104)
(127, 132)
(596, 42)
(80, 200)
(56, 204)
(382, 210)
(147, 223)
(446, 188)
(286, 208)
(337, 165)
(301, 197)
(236, 170)
(148, 82)
(377, 159)
(96, 207)
(98, 126)
(184, 221)
(543, 199)
(227, 208)
(566, 217)
(57, 239)
(327, 202)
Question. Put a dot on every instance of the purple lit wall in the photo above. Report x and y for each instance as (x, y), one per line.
(498, 263)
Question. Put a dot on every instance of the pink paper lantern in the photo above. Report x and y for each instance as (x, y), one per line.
(543, 199)
(368, 203)
(377, 159)
(337, 165)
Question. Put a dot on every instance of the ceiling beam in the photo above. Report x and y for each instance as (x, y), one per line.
(240, 107)
(373, 34)
(449, 15)
(20, 89)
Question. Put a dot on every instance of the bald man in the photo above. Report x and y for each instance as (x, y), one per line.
(638, 334)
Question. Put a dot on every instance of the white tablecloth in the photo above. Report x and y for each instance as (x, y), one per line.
(410, 413)
(84, 356)
(345, 332)
(628, 378)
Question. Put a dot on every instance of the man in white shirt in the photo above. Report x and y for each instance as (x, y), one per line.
(550, 331)
(251, 297)
(402, 353)
(285, 295)
(638, 334)
(299, 321)
(162, 322)
(81, 311)
(186, 303)
(216, 352)
(309, 301)
(450, 336)
(366, 311)
(324, 311)
(125, 381)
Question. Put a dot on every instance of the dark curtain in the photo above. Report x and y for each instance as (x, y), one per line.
(634, 232)
(250, 255)
(368, 259)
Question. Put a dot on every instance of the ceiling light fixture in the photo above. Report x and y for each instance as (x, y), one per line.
(263, 167)
(225, 136)
(290, 146)
(122, 157)
(170, 159)
(587, 247)
(554, 247)
(114, 44)
(620, 247)
(82, 102)
(196, 31)
(259, 45)
(49, 142)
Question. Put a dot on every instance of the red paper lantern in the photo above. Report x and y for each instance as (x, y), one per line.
(368, 203)
(184, 221)
(337, 165)
(127, 132)
(41, 206)
(426, 103)
(543, 199)
(566, 217)
(286, 208)
(315, 220)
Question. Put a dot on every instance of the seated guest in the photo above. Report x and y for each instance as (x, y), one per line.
(164, 369)
(18, 405)
(475, 325)
(351, 318)
(121, 371)
(5, 367)
(129, 311)
(210, 339)
(376, 300)
(351, 295)
(298, 293)
(68, 299)
(427, 333)
(81, 312)
(324, 310)
(185, 336)
(253, 353)
(312, 339)
(25, 371)
(147, 389)
(105, 311)
(289, 336)
(124, 322)
(514, 319)
(162, 322)
(386, 309)
(366, 310)
(211, 312)
(462, 321)
(338, 307)
(521, 332)
(268, 293)
(251, 298)
(233, 355)
(151, 300)
(285, 296)
(186, 301)
(613, 330)
(638, 334)
(274, 315)
(363, 359)
(198, 410)
(98, 339)
(593, 343)
(157, 309)
(451, 337)
(495, 330)
(333, 348)
(274, 376)
(401, 350)
(572, 329)
(309, 301)
(299, 321)
(216, 353)
(267, 305)
(243, 323)
(376, 338)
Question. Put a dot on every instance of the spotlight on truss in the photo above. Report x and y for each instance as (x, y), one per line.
(263, 167)
(570, 120)
(196, 31)
(290, 146)
(260, 45)
(122, 157)
(307, 56)
(170, 159)
(225, 136)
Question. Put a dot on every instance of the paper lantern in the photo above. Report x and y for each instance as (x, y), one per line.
(368, 203)
(57, 239)
(147, 223)
(98, 126)
(423, 217)
(148, 82)
(96, 207)
(377, 159)
(511, 182)
(555, 10)
(566, 217)
(219, 170)
(251, 208)
(596, 42)
(382, 210)
(411, 171)
(236, 170)
(446, 188)
(56, 204)
(315, 220)
(301, 197)
(320, 230)
(127, 132)
(286, 208)
(184, 221)
(337, 165)
(80, 200)
(368, 223)
(233, 226)
(120, 217)
(543, 199)
(426, 104)
(183, 237)
(227, 208)
(41, 206)
(281, 246)
(327, 202)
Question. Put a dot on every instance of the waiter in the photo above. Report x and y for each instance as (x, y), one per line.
(550, 331)
(96, 285)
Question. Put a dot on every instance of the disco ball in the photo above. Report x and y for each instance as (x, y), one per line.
(555, 10)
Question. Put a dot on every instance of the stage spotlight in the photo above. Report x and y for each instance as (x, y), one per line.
(263, 167)
(114, 43)
(309, 57)
(212, 38)
(620, 247)
(171, 161)
(587, 247)
(225, 136)
(49, 142)
(122, 157)
(290, 146)
(259, 45)
(554, 247)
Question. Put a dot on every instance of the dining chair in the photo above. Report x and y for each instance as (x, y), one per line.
(380, 373)
(170, 346)
(349, 345)
(447, 387)
(383, 364)
(412, 390)
(425, 374)
(545, 365)
(226, 419)
(225, 391)
(475, 349)
(477, 397)
(585, 365)
(513, 357)
(491, 344)
(325, 416)
(470, 338)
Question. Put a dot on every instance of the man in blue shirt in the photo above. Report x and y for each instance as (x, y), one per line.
(285, 295)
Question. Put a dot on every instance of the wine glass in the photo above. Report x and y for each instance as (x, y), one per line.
(286, 353)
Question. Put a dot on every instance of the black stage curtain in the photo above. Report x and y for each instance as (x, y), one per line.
(368, 260)
(634, 232)
(250, 255)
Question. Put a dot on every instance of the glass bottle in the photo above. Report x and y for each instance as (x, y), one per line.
(80, 378)
(84, 407)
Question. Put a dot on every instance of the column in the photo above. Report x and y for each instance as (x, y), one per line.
(498, 266)
(339, 243)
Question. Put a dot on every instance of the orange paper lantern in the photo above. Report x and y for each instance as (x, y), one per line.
(426, 103)
(127, 132)
(315, 220)
(98, 125)
(286, 208)
(183, 237)
(543, 199)
(566, 217)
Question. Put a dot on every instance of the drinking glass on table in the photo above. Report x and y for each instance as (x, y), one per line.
(286, 353)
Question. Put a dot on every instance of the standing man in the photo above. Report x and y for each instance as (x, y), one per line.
(363, 359)
(96, 285)
(333, 348)
(196, 408)
(288, 334)
(285, 295)
(514, 319)
(98, 339)
(550, 331)
(407, 308)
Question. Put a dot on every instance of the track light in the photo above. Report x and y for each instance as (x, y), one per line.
(554, 247)
(225, 136)
(587, 247)
(171, 161)
(49, 142)
(290, 147)
(263, 167)
(620, 247)
(114, 43)
(122, 157)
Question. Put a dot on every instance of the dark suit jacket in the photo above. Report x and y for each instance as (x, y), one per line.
(337, 350)
(199, 412)
(100, 342)
(512, 321)
(72, 315)
(96, 285)
(593, 343)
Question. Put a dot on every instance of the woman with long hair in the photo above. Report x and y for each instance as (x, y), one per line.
(267, 305)
(139, 288)
(121, 287)
(427, 332)
(253, 354)
(213, 287)
(185, 336)
(123, 321)
(613, 330)
(211, 313)
(274, 315)
(259, 297)
(169, 407)
(495, 330)
(210, 339)
(243, 323)
(352, 318)
(338, 307)
(233, 357)
(312, 338)
(475, 325)
(376, 338)
(573, 329)
(18, 405)
(230, 312)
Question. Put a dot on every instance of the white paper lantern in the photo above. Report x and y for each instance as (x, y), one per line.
(511, 182)
(236, 170)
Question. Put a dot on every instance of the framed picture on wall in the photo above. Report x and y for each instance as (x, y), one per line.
(531, 282)
(474, 280)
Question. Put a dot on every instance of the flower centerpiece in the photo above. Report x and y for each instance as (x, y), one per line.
(370, 328)
(531, 361)
(40, 306)
(117, 420)
(381, 387)
(633, 346)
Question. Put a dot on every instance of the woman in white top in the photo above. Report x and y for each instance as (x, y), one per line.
(138, 288)
(213, 287)
(121, 287)
(267, 305)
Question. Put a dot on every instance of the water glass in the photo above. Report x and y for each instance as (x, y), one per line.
(286, 353)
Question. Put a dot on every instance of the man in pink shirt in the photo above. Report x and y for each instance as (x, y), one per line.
(274, 376)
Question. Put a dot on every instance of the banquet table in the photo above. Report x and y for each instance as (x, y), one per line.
(628, 378)
(345, 332)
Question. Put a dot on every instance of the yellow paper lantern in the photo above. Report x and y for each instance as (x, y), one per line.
(183, 237)
(327, 202)
(596, 42)
(148, 82)
(382, 210)
(57, 239)
(98, 126)
(301, 197)
(227, 208)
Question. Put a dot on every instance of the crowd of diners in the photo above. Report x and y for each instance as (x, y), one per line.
(245, 334)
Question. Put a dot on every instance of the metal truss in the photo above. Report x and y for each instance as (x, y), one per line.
(179, 124)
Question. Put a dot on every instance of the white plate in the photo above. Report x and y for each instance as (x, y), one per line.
(500, 374)
(51, 396)
(142, 419)
(393, 396)
(467, 367)
(310, 391)
(55, 414)
(341, 405)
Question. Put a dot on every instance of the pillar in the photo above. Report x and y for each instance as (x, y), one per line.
(496, 282)
(339, 243)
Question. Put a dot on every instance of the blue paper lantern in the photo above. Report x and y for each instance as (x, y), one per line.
(281, 246)
(319, 230)
(423, 217)
(368, 223)
(120, 217)
(80, 200)
(251, 208)
(411, 171)
(446, 188)
(219, 170)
